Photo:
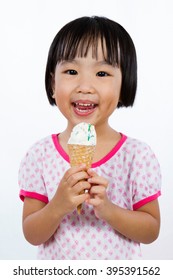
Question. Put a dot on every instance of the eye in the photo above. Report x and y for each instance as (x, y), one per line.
(71, 72)
(102, 74)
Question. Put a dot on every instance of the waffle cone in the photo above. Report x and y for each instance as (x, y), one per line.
(79, 154)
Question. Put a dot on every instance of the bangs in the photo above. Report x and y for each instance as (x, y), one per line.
(77, 39)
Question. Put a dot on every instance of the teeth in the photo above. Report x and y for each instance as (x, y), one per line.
(84, 104)
(82, 110)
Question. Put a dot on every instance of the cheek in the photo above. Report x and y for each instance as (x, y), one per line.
(118, 84)
(62, 98)
(59, 100)
(59, 92)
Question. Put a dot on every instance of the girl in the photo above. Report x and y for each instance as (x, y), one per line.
(91, 70)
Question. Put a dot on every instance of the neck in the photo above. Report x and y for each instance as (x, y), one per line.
(104, 133)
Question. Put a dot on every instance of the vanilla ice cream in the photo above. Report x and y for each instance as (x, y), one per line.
(83, 134)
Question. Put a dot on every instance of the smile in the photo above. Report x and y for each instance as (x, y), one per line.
(84, 108)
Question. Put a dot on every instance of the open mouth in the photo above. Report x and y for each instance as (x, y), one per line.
(84, 108)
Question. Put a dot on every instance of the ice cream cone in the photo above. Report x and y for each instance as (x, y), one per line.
(81, 145)
(79, 154)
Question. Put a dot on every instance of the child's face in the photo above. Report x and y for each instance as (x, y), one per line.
(87, 89)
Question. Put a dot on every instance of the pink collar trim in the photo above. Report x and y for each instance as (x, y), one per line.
(95, 164)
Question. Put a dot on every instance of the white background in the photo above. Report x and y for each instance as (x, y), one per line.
(26, 32)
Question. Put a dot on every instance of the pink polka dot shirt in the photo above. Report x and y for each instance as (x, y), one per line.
(134, 179)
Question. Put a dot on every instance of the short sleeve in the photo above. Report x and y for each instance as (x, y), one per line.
(147, 177)
(30, 178)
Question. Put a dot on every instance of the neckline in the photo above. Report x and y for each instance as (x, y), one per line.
(114, 150)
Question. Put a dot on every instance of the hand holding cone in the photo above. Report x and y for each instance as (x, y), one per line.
(81, 154)
(81, 146)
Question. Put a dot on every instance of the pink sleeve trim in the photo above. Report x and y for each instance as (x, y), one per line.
(146, 200)
(38, 196)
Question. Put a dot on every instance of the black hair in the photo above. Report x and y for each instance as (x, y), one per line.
(77, 36)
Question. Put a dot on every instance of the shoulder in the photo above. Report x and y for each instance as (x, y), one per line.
(41, 145)
(137, 146)
(140, 151)
(40, 149)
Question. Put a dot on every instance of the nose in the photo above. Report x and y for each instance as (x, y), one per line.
(85, 84)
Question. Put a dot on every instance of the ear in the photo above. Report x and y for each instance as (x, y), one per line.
(53, 84)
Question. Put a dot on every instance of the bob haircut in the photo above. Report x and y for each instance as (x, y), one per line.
(75, 38)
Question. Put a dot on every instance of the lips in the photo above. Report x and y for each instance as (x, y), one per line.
(84, 107)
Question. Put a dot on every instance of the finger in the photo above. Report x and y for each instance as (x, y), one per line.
(98, 181)
(82, 198)
(93, 201)
(95, 179)
(97, 190)
(81, 186)
(74, 170)
(77, 177)
(91, 172)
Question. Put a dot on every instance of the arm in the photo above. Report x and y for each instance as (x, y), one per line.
(141, 226)
(41, 220)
